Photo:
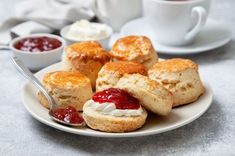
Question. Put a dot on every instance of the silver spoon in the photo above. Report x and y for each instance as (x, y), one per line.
(4, 47)
(26, 72)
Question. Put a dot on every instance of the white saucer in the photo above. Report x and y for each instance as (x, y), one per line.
(212, 36)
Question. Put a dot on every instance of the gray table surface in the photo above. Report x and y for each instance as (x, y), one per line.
(211, 134)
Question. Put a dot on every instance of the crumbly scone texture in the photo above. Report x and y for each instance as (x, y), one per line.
(85, 57)
(42, 100)
(151, 61)
(111, 72)
(109, 123)
(180, 77)
(152, 96)
(67, 89)
(134, 48)
(174, 65)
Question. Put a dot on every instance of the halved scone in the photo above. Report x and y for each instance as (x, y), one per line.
(114, 110)
(153, 96)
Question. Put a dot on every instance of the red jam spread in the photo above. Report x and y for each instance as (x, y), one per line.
(119, 97)
(69, 115)
(37, 44)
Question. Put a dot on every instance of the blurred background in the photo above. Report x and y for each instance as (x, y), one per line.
(7, 10)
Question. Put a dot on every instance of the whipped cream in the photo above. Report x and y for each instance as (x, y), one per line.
(109, 108)
(84, 30)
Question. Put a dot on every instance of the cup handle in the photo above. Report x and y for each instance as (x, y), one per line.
(201, 14)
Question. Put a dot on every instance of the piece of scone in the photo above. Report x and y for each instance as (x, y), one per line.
(67, 88)
(181, 77)
(85, 57)
(114, 110)
(153, 96)
(137, 49)
(111, 72)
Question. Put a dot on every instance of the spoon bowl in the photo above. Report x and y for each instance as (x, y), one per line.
(28, 74)
(65, 123)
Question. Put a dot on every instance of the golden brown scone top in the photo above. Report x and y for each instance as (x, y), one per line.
(124, 67)
(131, 46)
(88, 50)
(65, 78)
(175, 64)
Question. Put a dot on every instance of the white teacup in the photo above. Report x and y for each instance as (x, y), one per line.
(117, 12)
(176, 22)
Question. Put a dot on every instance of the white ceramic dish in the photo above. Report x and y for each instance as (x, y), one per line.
(179, 116)
(212, 36)
(38, 60)
(103, 41)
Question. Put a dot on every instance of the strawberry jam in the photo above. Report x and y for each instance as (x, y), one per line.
(69, 115)
(120, 98)
(37, 44)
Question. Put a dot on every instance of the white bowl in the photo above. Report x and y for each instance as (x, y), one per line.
(38, 60)
(103, 41)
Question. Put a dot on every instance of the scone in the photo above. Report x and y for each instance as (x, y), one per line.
(85, 57)
(153, 96)
(181, 77)
(114, 110)
(111, 72)
(67, 89)
(137, 49)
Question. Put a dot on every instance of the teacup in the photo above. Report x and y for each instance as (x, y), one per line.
(117, 12)
(176, 22)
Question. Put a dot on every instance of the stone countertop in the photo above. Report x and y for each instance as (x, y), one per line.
(211, 134)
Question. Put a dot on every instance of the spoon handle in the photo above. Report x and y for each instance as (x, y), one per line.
(28, 74)
(4, 47)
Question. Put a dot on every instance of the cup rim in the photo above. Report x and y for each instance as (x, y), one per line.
(179, 2)
(65, 28)
(63, 43)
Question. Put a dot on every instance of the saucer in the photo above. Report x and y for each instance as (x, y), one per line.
(212, 36)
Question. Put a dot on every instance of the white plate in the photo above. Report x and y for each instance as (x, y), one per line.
(212, 36)
(179, 116)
